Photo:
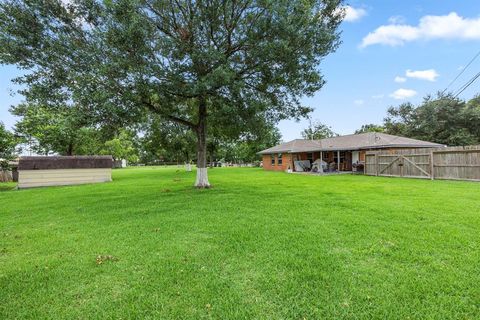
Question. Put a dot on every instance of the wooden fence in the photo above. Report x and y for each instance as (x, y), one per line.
(453, 163)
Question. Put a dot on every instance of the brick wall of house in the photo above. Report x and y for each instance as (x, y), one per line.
(328, 156)
(266, 160)
(288, 159)
(286, 162)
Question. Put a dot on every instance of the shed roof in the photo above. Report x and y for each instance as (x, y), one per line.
(369, 140)
(64, 162)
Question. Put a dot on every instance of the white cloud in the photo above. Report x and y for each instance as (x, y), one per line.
(429, 75)
(451, 26)
(378, 96)
(401, 94)
(359, 102)
(399, 79)
(353, 14)
(397, 20)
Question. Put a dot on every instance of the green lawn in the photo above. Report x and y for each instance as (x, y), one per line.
(261, 245)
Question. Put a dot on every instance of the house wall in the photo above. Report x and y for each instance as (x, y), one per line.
(361, 155)
(266, 160)
(355, 156)
(288, 159)
(304, 156)
(328, 156)
(286, 162)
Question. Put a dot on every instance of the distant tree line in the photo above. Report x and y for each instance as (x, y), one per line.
(71, 131)
(8, 143)
(67, 130)
(161, 140)
(442, 119)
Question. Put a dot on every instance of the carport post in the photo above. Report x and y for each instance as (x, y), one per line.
(338, 161)
(321, 161)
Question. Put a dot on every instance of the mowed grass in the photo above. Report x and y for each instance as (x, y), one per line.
(259, 245)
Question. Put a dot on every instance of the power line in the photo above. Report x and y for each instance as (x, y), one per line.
(466, 85)
(461, 72)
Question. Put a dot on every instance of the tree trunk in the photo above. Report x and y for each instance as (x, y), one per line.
(70, 149)
(6, 175)
(188, 165)
(201, 130)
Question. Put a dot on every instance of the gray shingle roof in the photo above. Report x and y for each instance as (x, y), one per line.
(369, 140)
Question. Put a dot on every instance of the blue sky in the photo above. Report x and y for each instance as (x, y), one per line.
(421, 44)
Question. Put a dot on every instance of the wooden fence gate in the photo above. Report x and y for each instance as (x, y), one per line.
(400, 165)
(457, 163)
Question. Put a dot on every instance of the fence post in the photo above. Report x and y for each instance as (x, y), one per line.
(402, 163)
(431, 166)
(376, 164)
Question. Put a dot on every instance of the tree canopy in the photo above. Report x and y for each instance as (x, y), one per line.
(172, 142)
(60, 129)
(188, 61)
(166, 140)
(121, 147)
(8, 142)
(442, 119)
(370, 128)
(318, 130)
(244, 149)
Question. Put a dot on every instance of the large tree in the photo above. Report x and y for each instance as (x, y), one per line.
(471, 116)
(8, 142)
(370, 128)
(442, 119)
(166, 140)
(172, 142)
(122, 147)
(263, 138)
(245, 148)
(188, 61)
(317, 131)
(60, 129)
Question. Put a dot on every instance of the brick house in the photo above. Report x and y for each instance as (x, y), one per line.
(342, 151)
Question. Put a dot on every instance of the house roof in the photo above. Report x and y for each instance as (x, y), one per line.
(369, 140)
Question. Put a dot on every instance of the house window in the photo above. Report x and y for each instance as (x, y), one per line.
(273, 159)
(325, 156)
(342, 157)
(310, 156)
(279, 161)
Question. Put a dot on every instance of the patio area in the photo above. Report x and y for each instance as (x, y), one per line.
(325, 173)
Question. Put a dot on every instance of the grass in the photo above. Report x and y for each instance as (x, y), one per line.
(259, 244)
(6, 186)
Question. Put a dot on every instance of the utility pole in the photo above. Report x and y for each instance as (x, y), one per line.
(311, 128)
